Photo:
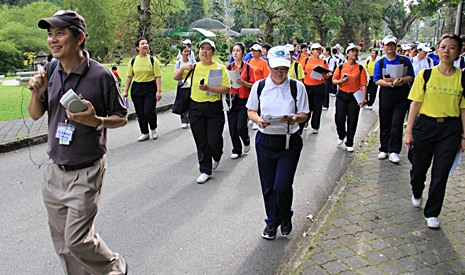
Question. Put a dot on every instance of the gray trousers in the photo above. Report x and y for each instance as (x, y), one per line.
(72, 199)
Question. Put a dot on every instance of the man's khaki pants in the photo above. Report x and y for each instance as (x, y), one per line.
(72, 199)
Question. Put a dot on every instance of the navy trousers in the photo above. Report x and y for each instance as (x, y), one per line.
(277, 167)
(207, 123)
(347, 109)
(238, 126)
(316, 97)
(145, 103)
(438, 140)
(372, 90)
(393, 105)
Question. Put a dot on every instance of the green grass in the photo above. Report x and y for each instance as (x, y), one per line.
(13, 99)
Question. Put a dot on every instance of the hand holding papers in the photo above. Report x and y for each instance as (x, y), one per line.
(358, 96)
(321, 70)
(234, 76)
(214, 79)
(275, 119)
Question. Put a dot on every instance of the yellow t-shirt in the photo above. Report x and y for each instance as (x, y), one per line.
(371, 66)
(300, 71)
(442, 95)
(201, 72)
(143, 70)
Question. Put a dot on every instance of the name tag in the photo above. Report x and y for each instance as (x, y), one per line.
(65, 133)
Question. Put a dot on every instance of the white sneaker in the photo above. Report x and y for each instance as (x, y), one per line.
(234, 156)
(433, 222)
(394, 157)
(350, 149)
(382, 155)
(203, 178)
(370, 108)
(154, 134)
(255, 126)
(416, 202)
(215, 164)
(246, 148)
(324, 109)
(184, 125)
(339, 141)
(143, 137)
(314, 131)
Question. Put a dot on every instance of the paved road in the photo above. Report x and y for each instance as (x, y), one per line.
(154, 213)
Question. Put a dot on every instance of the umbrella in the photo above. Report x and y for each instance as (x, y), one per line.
(207, 23)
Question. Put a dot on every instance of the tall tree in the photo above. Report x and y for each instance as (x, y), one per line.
(400, 15)
(322, 14)
(217, 10)
(272, 13)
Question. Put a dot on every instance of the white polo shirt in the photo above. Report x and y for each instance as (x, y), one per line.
(277, 100)
(418, 65)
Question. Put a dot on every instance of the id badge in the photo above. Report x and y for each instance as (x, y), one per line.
(65, 133)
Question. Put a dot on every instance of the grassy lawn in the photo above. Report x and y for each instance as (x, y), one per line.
(14, 99)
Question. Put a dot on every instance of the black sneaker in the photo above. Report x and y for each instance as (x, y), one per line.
(270, 232)
(286, 229)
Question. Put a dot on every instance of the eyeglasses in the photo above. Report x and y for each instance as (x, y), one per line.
(280, 70)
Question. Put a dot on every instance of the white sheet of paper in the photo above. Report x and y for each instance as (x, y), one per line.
(358, 96)
(456, 163)
(395, 71)
(316, 75)
(234, 76)
(214, 79)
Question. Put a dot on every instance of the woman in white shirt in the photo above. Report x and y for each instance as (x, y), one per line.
(185, 53)
(278, 143)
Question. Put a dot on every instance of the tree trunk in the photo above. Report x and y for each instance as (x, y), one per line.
(269, 29)
(144, 20)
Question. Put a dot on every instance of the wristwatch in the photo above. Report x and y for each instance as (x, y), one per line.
(392, 84)
(100, 126)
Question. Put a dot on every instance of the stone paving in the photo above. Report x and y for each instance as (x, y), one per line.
(374, 229)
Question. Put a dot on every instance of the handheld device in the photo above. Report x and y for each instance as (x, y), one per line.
(202, 81)
(72, 102)
(387, 76)
(345, 75)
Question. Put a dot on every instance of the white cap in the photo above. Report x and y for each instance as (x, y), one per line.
(207, 41)
(187, 41)
(424, 47)
(315, 46)
(289, 47)
(388, 39)
(406, 46)
(352, 46)
(279, 56)
(256, 47)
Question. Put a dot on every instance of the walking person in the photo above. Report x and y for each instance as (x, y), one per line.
(421, 61)
(393, 101)
(260, 67)
(435, 128)
(372, 88)
(191, 56)
(206, 115)
(315, 86)
(351, 78)
(295, 70)
(278, 145)
(185, 53)
(73, 180)
(237, 115)
(145, 74)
